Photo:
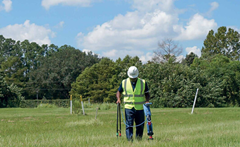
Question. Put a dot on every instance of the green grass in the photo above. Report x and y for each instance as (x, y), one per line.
(172, 127)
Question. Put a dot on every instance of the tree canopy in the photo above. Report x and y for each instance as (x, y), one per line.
(167, 49)
(224, 41)
(100, 82)
(44, 70)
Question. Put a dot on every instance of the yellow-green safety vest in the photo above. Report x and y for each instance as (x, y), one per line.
(134, 98)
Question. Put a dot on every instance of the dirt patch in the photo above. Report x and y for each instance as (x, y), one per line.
(27, 118)
(207, 113)
(10, 121)
(60, 117)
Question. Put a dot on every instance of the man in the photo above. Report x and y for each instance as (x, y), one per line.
(135, 92)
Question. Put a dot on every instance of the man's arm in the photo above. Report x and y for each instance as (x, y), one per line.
(118, 95)
(147, 96)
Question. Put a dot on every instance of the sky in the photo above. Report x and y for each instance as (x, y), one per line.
(116, 28)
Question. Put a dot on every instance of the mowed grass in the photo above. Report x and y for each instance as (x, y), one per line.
(172, 127)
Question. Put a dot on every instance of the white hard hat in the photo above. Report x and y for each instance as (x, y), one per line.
(132, 72)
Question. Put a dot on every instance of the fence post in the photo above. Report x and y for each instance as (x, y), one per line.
(37, 97)
(70, 104)
(82, 104)
(96, 113)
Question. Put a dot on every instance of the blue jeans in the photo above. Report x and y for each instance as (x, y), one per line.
(130, 116)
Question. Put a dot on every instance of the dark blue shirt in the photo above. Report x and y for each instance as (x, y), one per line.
(120, 89)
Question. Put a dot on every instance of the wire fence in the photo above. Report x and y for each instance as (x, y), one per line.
(35, 103)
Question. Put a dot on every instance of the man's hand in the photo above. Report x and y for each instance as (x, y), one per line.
(118, 102)
(118, 95)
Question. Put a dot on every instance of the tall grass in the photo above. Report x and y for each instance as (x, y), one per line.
(46, 106)
(172, 127)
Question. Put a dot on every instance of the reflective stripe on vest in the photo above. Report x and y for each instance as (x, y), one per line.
(134, 102)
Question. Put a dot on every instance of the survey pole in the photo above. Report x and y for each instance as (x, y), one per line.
(194, 101)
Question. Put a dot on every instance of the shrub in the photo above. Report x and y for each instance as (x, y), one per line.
(107, 106)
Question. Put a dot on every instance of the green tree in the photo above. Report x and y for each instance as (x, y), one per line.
(11, 62)
(58, 69)
(170, 84)
(3, 88)
(10, 96)
(174, 85)
(18, 60)
(101, 81)
(189, 59)
(223, 73)
(94, 82)
(224, 42)
(14, 70)
(125, 63)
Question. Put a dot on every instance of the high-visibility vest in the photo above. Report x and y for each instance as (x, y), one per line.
(134, 98)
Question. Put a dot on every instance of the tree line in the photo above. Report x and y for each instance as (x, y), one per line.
(28, 69)
(39, 71)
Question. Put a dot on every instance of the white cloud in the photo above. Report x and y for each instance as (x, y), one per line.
(147, 57)
(48, 3)
(179, 58)
(31, 32)
(214, 6)
(88, 51)
(7, 5)
(60, 24)
(195, 50)
(148, 5)
(115, 54)
(112, 53)
(139, 31)
(197, 28)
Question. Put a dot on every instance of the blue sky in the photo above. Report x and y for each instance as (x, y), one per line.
(116, 28)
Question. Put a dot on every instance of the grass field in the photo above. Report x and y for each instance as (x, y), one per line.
(215, 127)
